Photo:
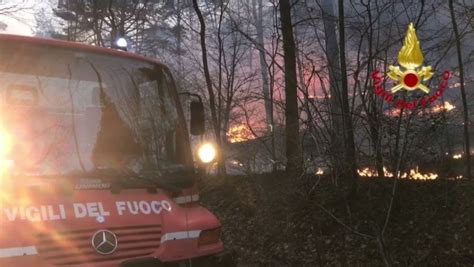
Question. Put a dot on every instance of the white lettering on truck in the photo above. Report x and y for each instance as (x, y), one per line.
(142, 207)
(35, 214)
(83, 210)
(91, 209)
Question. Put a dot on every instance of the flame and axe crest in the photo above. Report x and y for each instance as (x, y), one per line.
(410, 58)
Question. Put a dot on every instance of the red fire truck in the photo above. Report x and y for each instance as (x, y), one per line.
(96, 167)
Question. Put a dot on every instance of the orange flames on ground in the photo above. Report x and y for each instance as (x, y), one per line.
(446, 106)
(240, 133)
(413, 174)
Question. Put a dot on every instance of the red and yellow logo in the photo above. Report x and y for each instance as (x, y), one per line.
(411, 58)
(410, 75)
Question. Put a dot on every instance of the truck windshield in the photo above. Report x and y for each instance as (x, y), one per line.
(69, 112)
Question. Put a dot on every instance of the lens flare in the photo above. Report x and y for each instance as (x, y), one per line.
(5, 144)
(207, 153)
(6, 164)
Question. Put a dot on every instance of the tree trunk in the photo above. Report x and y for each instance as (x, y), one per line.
(261, 52)
(178, 44)
(332, 55)
(207, 75)
(374, 112)
(221, 61)
(467, 147)
(342, 143)
(257, 9)
(350, 158)
(293, 150)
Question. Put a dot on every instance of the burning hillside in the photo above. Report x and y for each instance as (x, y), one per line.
(240, 133)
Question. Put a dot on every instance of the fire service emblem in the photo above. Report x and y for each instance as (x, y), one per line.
(104, 242)
(409, 76)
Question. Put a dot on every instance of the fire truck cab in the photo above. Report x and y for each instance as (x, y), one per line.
(96, 167)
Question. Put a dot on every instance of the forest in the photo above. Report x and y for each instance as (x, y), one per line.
(344, 127)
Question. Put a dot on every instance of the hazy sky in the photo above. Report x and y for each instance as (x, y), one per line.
(17, 27)
(23, 22)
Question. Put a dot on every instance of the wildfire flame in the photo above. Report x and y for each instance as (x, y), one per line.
(240, 133)
(446, 106)
(410, 56)
(394, 112)
(413, 174)
(236, 162)
(367, 172)
(319, 171)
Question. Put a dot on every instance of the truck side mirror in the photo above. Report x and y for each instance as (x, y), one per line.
(197, 118)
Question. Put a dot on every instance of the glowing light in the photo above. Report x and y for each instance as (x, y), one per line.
(394, 112)
(367, 172)
(320, 171)
(446, 106)
(416, 175)
(240, 133)
(457, 156)
(207, 153)
(236, 162)
(121, 42)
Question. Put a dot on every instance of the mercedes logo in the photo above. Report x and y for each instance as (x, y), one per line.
(104, 242)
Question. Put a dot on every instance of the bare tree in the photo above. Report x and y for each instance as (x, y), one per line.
(258, 16)
(210, 91)
(342, 134)
(293, 150)
(467, 147)
(350, 158)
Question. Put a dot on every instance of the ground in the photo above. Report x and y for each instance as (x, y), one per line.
(282, 220)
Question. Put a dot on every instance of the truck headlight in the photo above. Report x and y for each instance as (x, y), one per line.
(207, 153)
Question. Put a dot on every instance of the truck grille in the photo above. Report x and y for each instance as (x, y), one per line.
(75, 247)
